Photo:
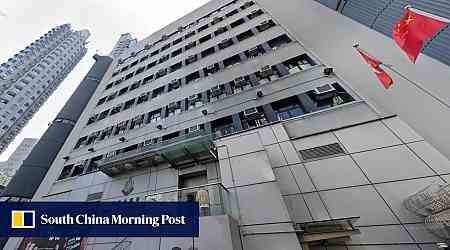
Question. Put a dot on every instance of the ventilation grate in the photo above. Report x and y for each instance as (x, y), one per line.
(94, 196)
(322, 151)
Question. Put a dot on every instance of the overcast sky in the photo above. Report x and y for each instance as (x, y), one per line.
(23, 21)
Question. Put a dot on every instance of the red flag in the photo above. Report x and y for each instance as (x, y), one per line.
(385, 79)
(413, 30)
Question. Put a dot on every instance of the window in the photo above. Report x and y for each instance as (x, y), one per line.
(205, 38)
(121, 128)
(204, 27)
(244, 35)
(116, 109)
(265, 25)
(177, 41)
(237, 23)
(111, 97)
(109, 86)
(177, 52)
(175, 84)
(81, 142)
(165, 47)
(154, 116)
(216, 20)
(229, 62)
(129, 76)
(190, 34)
(287, 108)
(129, 104)
(247, 4)
(208, 52)
(192, 77)
(190, 45)
(65, 172)
(231, 13)
(144, 58)
(103, 115)
(255, 13)
(123, 91)
(92, 119)
(154, 53)
(161, 73)
(101, 101)
(191, 59)
(133, 64)
(143, 98)
(137, 122)
(220, 30)
(279, 41)
(147, 79)
(164, 58)
(211, 69)
(151, 65)
(157, 92)
(225, 43)
(176, 66)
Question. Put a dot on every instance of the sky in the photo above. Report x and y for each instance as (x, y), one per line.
(23, 21)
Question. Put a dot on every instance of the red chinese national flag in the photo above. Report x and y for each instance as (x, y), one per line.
(414, 29)
(384, 78)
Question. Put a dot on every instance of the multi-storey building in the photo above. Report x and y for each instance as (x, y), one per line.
(8, 168)
(29, 78)
(231, 100)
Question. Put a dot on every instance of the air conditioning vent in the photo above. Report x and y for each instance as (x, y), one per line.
(321, 152)
(253, 52)
(240, 82)
(216, 91)
(94, 196)
(147, 143)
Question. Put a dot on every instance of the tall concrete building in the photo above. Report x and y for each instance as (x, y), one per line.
(29, 78)
(264, 108)
(9, 168)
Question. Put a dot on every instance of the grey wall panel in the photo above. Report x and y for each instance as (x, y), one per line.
(365, 12)
(330, 3)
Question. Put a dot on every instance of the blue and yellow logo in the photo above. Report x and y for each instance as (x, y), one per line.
(22, 219)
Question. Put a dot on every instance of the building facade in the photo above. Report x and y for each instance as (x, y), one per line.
(230, 103)
(8, 168)
(29, 78)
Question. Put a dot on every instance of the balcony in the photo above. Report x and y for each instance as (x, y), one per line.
(214, 199)
(182, 150)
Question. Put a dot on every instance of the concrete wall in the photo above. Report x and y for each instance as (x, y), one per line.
(331, 36)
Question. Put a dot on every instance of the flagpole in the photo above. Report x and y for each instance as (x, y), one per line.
(416, 85)
(409, 80)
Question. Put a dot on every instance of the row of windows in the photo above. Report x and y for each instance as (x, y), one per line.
(178, 83)
(264, 26)
(253, 52)
(191, 32)
(243, 83)
(323, 97)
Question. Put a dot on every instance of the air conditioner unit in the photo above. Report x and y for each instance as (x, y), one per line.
(266, 71)
(254, 13)
(172, 106)
(324, 92)
(192, 98)
(180, 29)
(164, 37)
(250, 112)
(192, 58)
(265, 25)
(162, 72)
(148, 46)
(221, 30)
(216, 20)
(133, 54)
(121, 61)
(211, 68)
(175, 84)
(147, 143)
(216, 91)
(247, 4)
(253, 52)
(240, 82)
(194, 129)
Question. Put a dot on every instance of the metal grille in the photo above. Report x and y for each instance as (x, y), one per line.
(322, 151)
(94, 196)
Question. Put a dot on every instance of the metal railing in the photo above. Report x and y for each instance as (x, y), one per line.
(214, 199)
(156, 146)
